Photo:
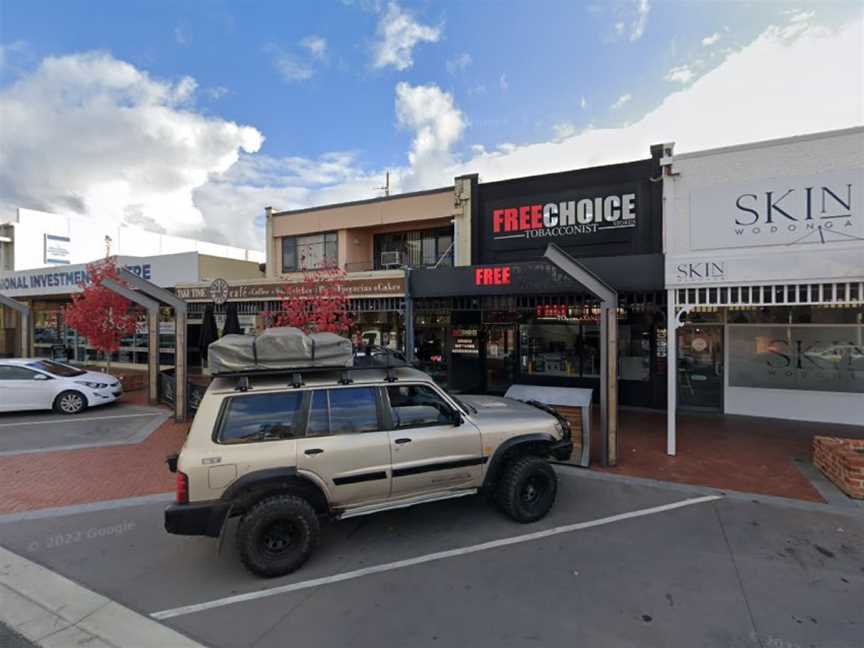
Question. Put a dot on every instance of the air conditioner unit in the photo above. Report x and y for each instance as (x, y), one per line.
(390, 259)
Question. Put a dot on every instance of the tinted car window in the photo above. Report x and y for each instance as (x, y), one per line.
(8, 372)
(418, 405)
(56, 368)
(260, 417)
(343, 411)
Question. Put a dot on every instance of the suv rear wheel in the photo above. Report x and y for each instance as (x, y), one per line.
(526, 490)
(277, 535)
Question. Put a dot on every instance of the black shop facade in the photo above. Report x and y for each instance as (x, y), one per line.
(513, 317)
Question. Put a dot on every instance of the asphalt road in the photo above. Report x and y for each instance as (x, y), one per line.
(113, 424)
(727, 572)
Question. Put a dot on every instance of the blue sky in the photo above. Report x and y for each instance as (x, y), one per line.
(323, 78)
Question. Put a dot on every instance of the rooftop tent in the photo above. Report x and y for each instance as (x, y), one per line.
(279, 348)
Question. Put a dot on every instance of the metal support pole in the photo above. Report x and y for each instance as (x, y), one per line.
(671, 374)
(180, 400)
(612, 383)
(409, 318)
(153, 356)
(26, 334)
(604, 382)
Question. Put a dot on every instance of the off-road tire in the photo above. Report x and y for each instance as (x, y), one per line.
(277, 535)
(70, 402)
(526, 490)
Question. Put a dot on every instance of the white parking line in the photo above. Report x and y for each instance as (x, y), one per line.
(75, 419)
(451, 553)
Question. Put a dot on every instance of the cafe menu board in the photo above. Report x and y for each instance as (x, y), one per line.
(466, 342)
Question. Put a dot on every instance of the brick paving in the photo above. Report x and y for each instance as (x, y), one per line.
(63, 478)
(755, 455)
(726, 452)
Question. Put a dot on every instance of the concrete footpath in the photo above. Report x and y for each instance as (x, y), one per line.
(52, 611)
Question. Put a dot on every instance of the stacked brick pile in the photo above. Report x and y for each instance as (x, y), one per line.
(842, 461)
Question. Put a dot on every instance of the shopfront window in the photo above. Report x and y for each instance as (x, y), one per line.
(634, 349)
(799, 356)
(553, 349)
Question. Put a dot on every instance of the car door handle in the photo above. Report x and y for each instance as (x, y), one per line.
(401, 441)
(313, 451)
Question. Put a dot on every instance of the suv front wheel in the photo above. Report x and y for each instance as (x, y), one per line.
(526, 490)
(277, 535)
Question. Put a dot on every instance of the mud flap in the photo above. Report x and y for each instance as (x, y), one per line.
(222, 531)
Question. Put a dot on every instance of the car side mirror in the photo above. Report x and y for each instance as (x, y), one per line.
(457, 418)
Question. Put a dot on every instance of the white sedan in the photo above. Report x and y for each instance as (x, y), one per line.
(37, 383)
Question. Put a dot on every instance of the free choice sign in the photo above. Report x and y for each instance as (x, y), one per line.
(569, 218)
(814, 210)
(565, 218)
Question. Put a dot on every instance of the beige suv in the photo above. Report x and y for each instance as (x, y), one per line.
(282, 451)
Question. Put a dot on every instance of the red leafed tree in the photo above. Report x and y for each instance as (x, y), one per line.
(98, 313)
(318, 304)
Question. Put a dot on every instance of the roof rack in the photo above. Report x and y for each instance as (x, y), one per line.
(365, 358)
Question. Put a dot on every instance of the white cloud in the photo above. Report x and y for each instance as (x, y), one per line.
(503, 83)
(459, 63)
(564, 130)
(583, 103)
(180, 36)
(289, 66)
(216, 92)
(643, 8)
(315, 45)
(397, 35)
(437, 124)
(800, 16)
(89, 134)
(774, 87)
(680, 74)
(708, 41)
(620, 101)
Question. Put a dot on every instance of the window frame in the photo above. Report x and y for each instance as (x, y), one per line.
(297, 422)
(294, 240)
(432, 235)
(391, 415)
(384, 423)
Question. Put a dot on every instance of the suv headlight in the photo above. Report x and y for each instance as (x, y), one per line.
(91, 385)
(563, 429)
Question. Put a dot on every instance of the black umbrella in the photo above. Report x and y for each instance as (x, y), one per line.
(232, 322)
(208, 331)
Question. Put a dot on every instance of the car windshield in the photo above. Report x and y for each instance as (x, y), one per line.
(56, 369)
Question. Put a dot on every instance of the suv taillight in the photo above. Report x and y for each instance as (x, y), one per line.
(182, 488)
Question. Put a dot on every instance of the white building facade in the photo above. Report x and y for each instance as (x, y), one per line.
(37, 239)
(764, 249)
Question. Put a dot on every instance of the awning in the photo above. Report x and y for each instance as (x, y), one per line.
(631, 273)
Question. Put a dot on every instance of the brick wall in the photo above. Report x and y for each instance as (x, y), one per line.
(574, 417)
(842, 461)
